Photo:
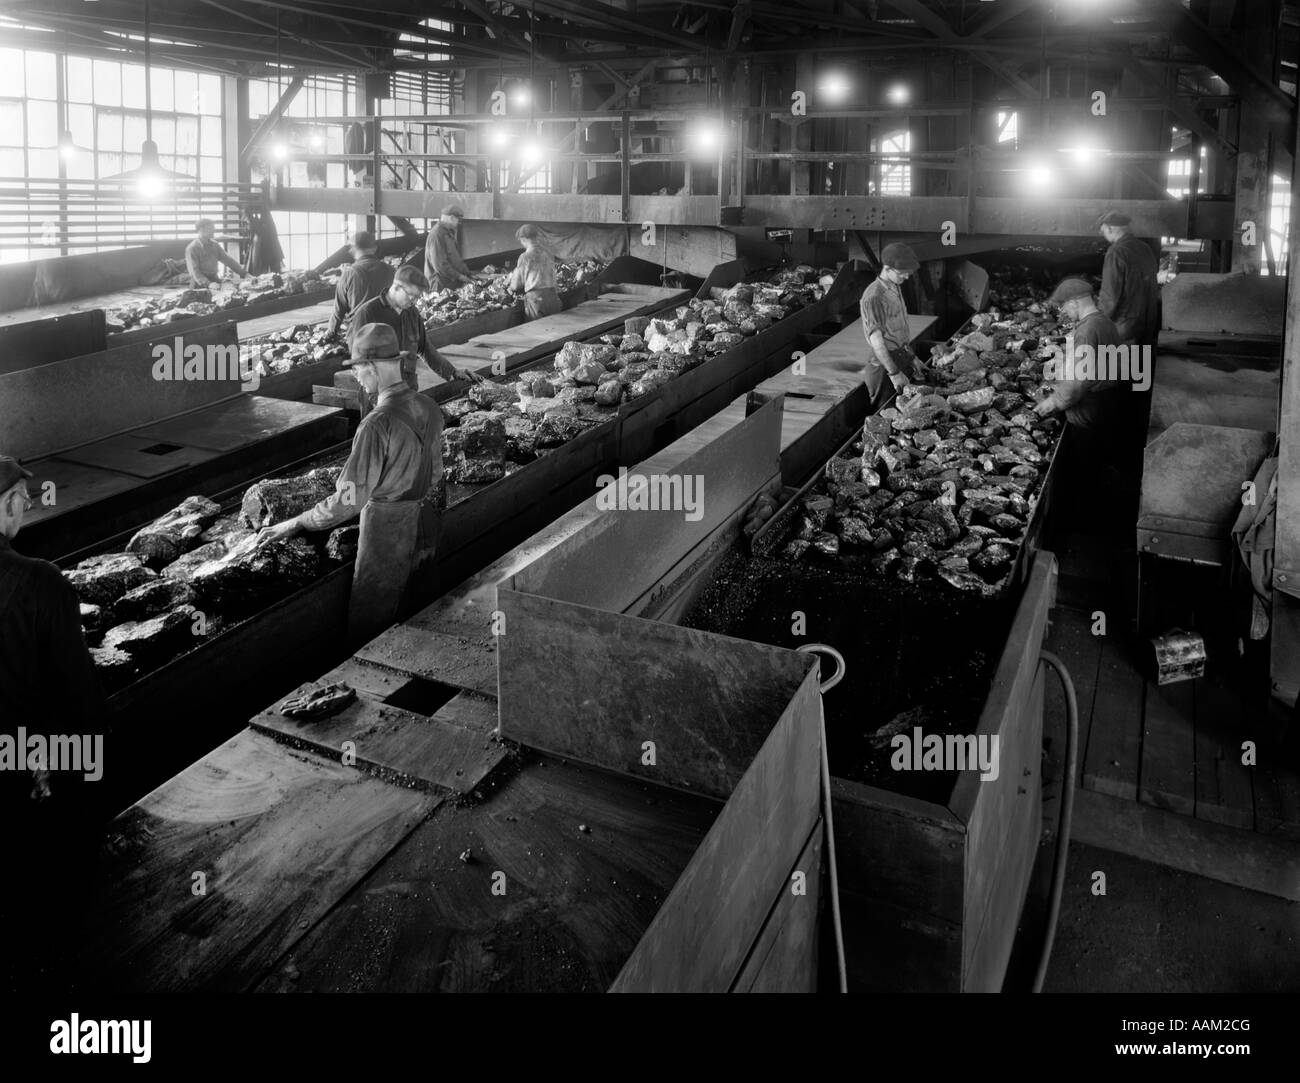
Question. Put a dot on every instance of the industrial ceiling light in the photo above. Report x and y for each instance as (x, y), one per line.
(704, 137)
(834, 88)
(316, 142)
(68, 150)
(898, 94)
(532, 154)
(498, 137)
(1040, 177)
(280, 151)
(521, 95)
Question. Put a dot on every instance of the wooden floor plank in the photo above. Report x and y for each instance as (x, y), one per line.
(1223, 784)
(435, 656)
(576, 901)
(438, 753)
(1070, 638)
(1115, 735)
(279, 837)
(1228, 854)
(1168, 777)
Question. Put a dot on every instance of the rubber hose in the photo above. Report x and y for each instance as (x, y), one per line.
(1067, 813)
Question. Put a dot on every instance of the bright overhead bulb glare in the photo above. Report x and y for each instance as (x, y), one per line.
(898, 94)
(149, 187)
(834, 88)
(498, 137)
(531, 154)
(279, 152)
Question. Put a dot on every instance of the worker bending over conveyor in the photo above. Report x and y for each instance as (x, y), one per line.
(393, 479)
(443, 264)
(396, 308)
(891, 363)
(365, 277)
(534, 275)
(203, 256)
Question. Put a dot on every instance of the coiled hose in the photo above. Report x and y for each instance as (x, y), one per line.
(1067, 813)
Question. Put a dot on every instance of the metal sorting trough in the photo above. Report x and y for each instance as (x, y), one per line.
(931, 890)
(292, 639)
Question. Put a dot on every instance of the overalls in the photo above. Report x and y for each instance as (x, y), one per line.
(395, 548)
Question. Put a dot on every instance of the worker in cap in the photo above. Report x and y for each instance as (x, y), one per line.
(890, 360)
(396, 307)
(393, 480)
(1130, 297)
(534, 274)
(1091, 383)
(365, 277)
(443, 263)
(48, 687)
(204, 257)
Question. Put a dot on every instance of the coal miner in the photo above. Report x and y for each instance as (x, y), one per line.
(396, 307)
(48, 688)
(365, 277)
(393, 479)
(443, 263)
(890, 361)
(1130, 294)
(204, 257)
(534, 275)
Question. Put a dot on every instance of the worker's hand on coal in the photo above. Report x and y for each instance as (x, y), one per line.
(1046, 407)
(280, 532)
(470, 375)
(899, 380)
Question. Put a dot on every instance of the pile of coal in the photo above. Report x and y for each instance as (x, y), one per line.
(475, 298)
(944, 481)
(175, 533)
(188, 303)
(280, 351)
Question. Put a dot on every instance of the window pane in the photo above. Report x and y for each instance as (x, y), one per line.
(80, 86)
(210, 171)
(108, 83)
(110, 130)
(42, 124)
(109, 164)
(43, 163)
(133, 86)
(210, 94)
(12, 163)
(41, 76)
(82, 166)
(187, 92)
(133, 131)
(164, 134)
(81, 123)
(11, 124)
(161, 84)
(187, 135)
(210, 135)
(11, 73)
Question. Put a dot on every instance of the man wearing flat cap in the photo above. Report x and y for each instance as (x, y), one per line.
(365, 277)
(1130, 294)
(890, 360)
(393, 480)
(396, 308)
(1090, 403)
(48, 686)
(204, 257)
(443, 263)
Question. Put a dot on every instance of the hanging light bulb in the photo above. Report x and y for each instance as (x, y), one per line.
(498, 137)
(279, 151)
(67, 148)
(531, 154)
(521, 95)
(317, 142)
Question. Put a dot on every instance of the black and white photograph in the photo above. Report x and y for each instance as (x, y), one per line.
(578, 496)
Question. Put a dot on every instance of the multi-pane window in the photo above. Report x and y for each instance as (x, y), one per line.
(895, 174)
(1279, 222)
(1007, 128)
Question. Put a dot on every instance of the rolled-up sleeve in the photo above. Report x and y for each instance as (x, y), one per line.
(361, 473)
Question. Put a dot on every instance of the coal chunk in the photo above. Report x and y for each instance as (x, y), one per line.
(277, 499)
(103, 579)
(153, 598)
(154, 641)
(341, 545)
(475, 450)
(175, 533)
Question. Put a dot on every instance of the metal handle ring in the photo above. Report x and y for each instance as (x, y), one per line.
(840, 667)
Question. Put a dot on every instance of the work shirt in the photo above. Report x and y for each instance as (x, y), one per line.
(443, 265)
(203, 259)
(411, 335)
(361, 280)
(385, 459)
(1130, 293)
(883, 310)
(47, 679)
(534, 271)
(1092, 403)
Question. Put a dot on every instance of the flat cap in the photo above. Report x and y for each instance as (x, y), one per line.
(528, 231)
(375, 342)
(364, 240)
(899, 257)
(11, 473)
(1070, 288)
(454, 209)
(1114, 218)
(410, 275)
